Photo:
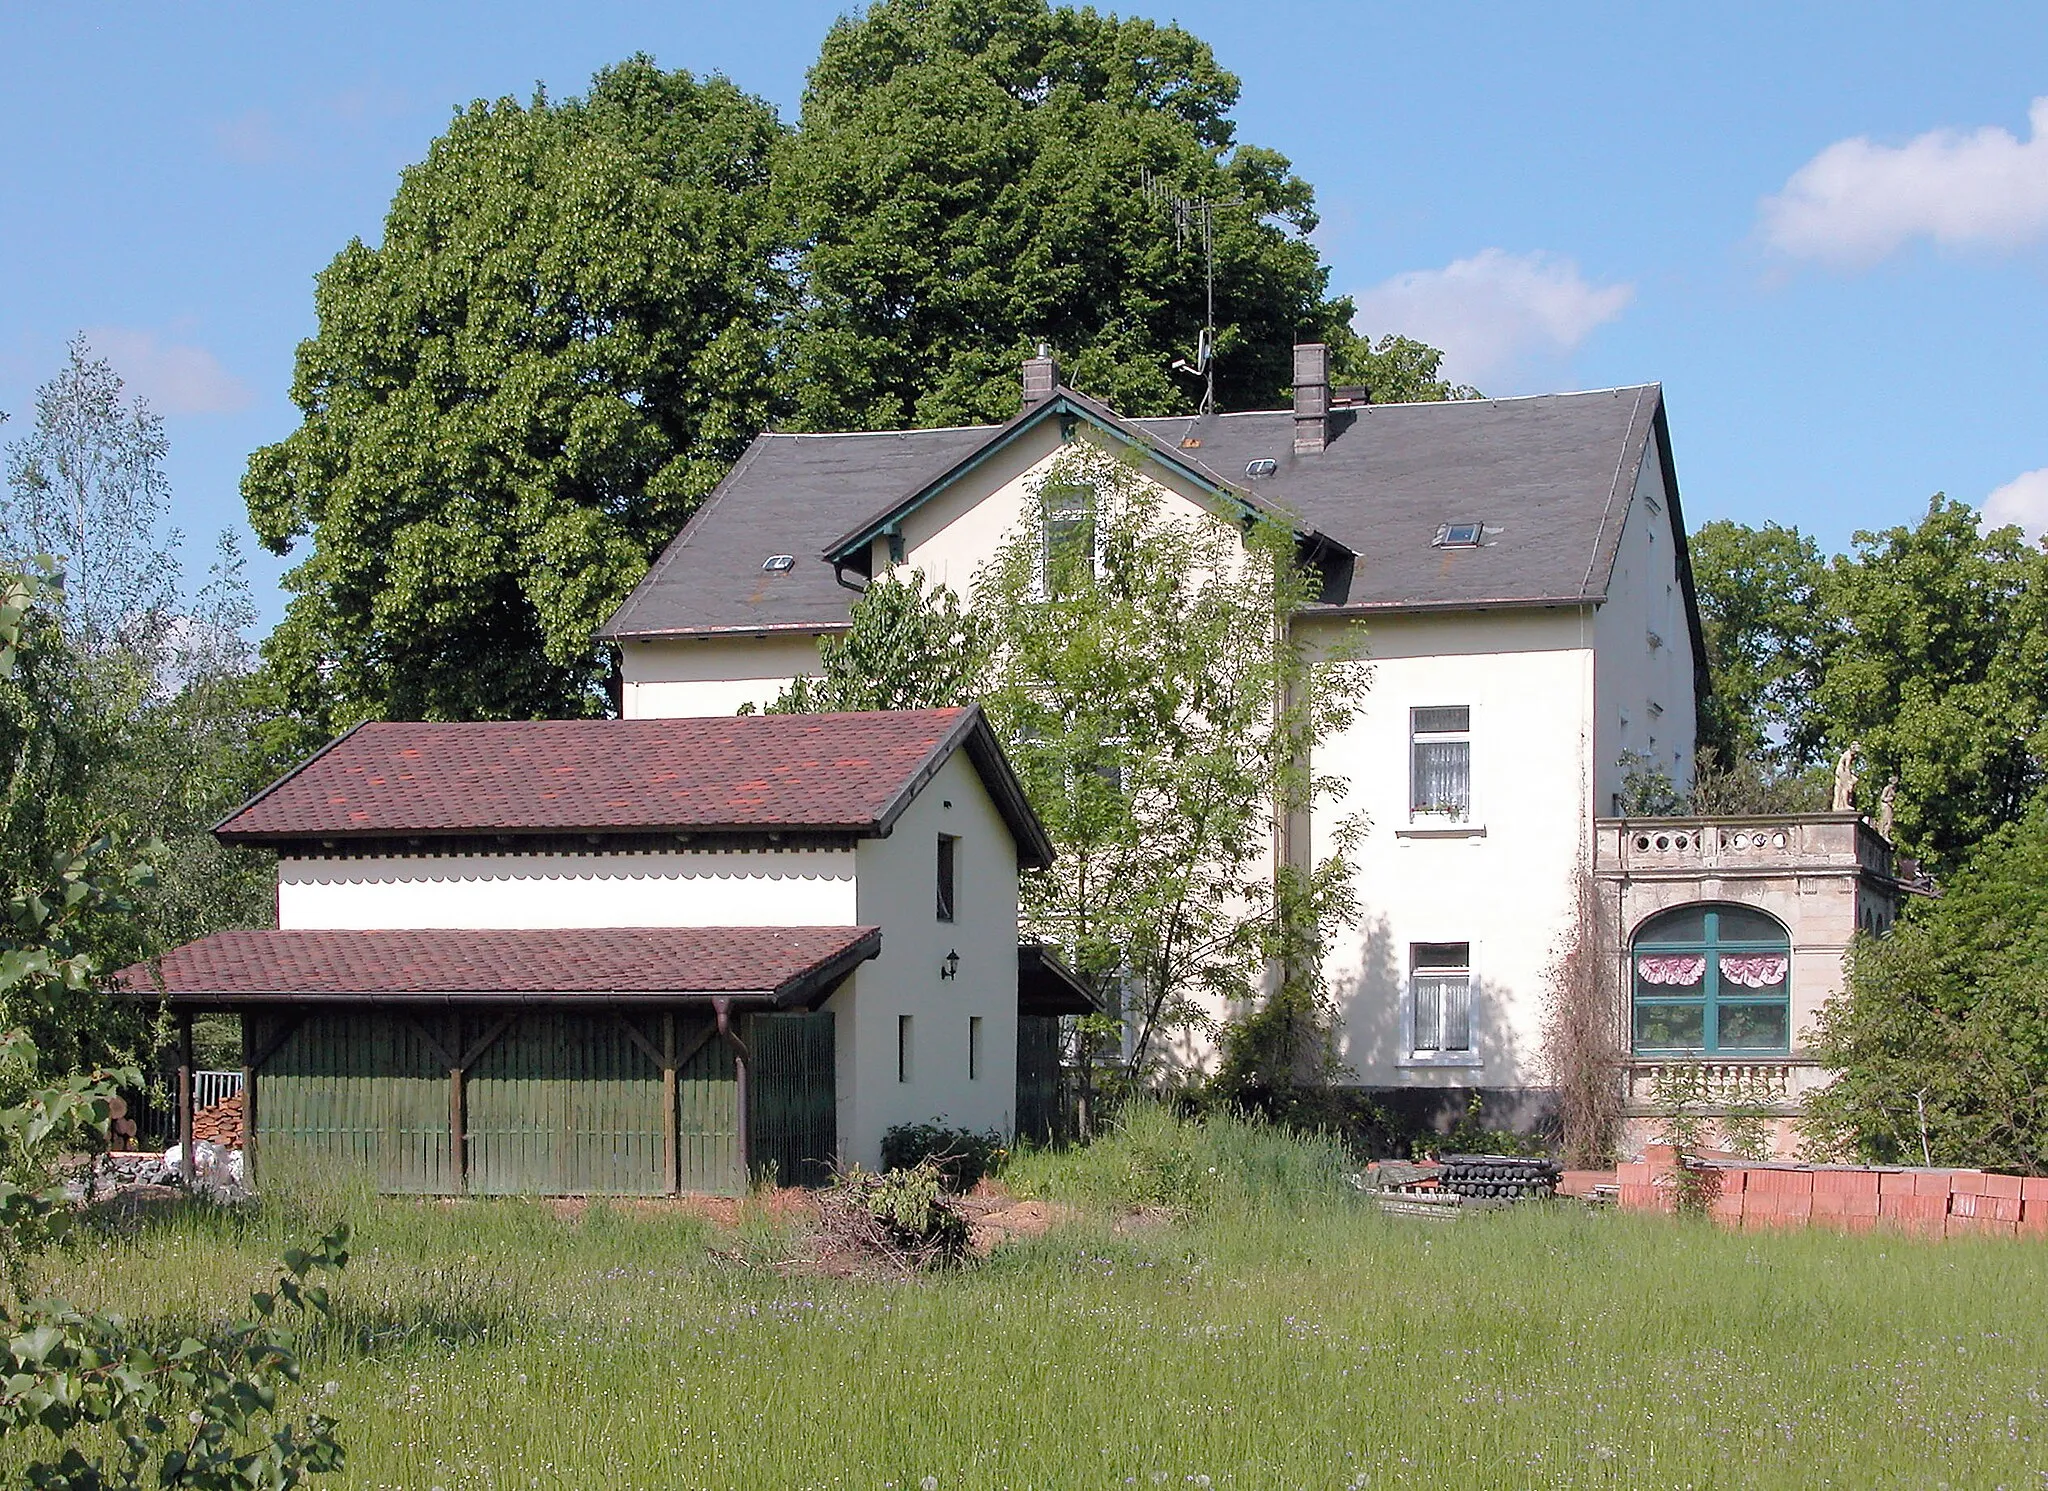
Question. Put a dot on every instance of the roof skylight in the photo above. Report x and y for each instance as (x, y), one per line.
(1460, 535)
(1264, 466)
(778, 564)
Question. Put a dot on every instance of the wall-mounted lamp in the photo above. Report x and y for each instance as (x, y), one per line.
(950, 968)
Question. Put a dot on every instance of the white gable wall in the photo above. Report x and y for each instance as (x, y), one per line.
(898, 891)
(687, 677)
(773, 888)
(1501, 880)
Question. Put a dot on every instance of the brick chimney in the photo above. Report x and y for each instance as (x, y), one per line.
(1041, 377)
(1311, 397)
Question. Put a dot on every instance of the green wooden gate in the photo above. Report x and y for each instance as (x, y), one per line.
(565, 1103)
(793, 1128)
(1039, 1116)
(369, 1092)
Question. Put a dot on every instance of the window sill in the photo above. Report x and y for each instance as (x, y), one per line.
(1460, 1060)
(1426, 830)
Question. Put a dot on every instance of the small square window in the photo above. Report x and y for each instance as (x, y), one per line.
(1460, 535)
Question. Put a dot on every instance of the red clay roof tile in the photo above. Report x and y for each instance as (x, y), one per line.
(819, 771)
(557, 961)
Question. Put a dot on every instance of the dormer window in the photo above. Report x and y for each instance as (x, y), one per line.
(778, 564)
(1460, 535)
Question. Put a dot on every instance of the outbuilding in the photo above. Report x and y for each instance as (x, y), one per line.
(633, 956)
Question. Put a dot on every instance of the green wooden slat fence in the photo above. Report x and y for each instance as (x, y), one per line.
(557, 1103)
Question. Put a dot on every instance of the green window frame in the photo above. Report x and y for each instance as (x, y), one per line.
(1702, 983)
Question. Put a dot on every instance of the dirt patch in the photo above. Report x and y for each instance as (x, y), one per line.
(990, 1226)
(1143, 1219)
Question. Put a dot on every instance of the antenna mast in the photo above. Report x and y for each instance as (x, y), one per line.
(1195, 217)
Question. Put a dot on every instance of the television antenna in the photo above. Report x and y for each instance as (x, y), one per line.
(1194, 220)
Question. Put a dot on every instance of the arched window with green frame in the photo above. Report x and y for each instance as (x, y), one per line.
(1712, 979)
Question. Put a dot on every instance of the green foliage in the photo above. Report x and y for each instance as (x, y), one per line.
(1941, 1037)
(908, 648)
(1937, 662)
(966, 183)
(1161, 707)
(1760, 615)
(1221, 1162)
(963, 1156)
(1393, 370)
(516, 398)
(197, 1413)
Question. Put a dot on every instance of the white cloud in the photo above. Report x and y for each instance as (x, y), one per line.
(176, 379)
(1856, 201)
(2023, 500)
(1494, 310)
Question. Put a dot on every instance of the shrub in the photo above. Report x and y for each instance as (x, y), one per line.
(962, 1156)
(1153, 1157)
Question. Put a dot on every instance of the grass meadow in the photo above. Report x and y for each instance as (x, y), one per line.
(1277, 1334)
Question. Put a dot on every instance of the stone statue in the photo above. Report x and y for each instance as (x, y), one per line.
(1845, 778)
(1887, 803)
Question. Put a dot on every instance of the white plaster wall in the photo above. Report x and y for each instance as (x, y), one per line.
(958, 531)
(1501, 882)
(1644, 691)
(676, 677)
(898, 892)
(781, 888)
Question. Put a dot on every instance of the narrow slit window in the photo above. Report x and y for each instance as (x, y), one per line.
(974, 1048)
(1440, 984)
(948, 859)
(903, 1048)
(1440, 762)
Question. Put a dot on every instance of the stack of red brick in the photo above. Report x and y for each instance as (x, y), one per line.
(220, 1124)
(1923, 1202)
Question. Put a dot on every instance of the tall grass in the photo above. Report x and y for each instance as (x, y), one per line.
(1279, 1335)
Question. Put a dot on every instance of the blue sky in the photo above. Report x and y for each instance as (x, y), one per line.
(1824, 230)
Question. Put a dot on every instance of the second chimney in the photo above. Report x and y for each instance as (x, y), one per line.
(1041, 377)
(1311, 397)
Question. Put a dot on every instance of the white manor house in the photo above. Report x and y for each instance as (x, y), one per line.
(1521, 567)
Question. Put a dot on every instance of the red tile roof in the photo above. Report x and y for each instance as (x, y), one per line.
(790, 963)
(820, 771)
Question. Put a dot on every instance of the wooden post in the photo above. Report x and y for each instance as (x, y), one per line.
(186, 1167)
(248, 1108)
(722, 1007)
(458, 1141)
(671, 1148)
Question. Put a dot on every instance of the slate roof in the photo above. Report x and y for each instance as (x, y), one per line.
(791, 965)
(1554, 474)
(825, 773)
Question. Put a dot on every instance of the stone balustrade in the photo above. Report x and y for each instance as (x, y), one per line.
(1633, 846)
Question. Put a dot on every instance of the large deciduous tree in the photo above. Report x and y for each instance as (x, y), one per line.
(1758, 592)
(1937, 662)
(1941, 1039)
(967, 184)
(513, 400)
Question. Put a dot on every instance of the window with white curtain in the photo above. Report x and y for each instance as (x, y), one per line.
(1440, 761)
(1440, 991)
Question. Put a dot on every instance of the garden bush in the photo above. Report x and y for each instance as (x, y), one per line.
(963, 1155)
